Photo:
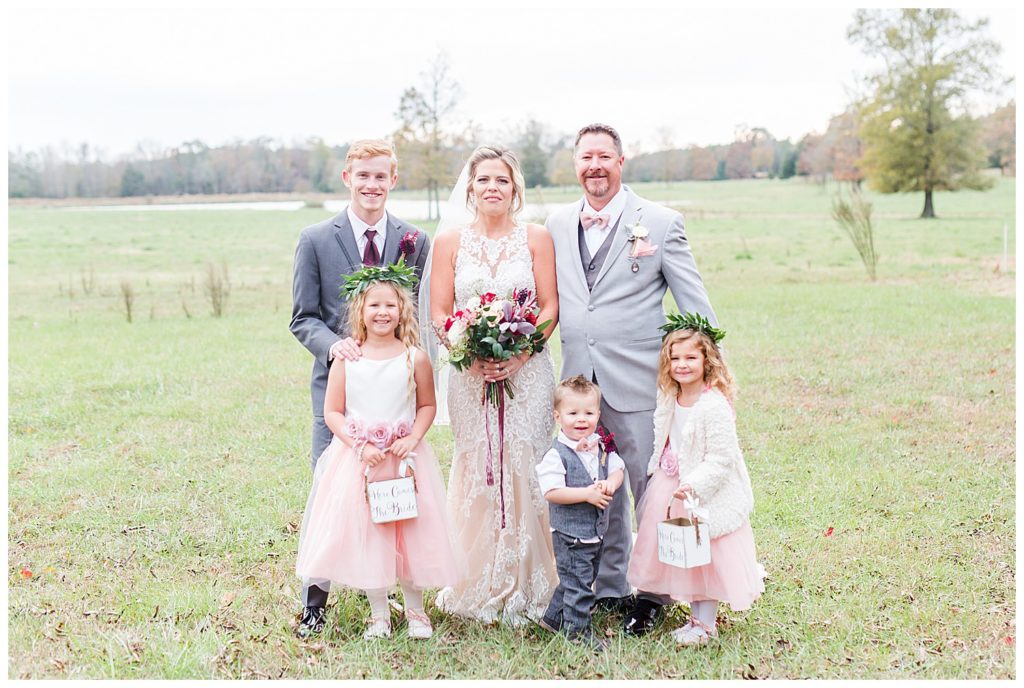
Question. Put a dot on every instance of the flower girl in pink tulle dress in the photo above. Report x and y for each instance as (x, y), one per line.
(697, 455)
(379, 409)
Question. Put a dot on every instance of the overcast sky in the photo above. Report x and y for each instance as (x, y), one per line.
(115, 77)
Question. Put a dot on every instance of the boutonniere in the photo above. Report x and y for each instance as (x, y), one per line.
(607, 440)
(407, 246)
(641, 247)
(637, 231)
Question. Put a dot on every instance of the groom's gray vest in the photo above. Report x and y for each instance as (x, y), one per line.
(584, 520)
(592, 264)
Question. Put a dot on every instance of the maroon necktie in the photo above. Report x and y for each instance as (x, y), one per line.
(370, 254)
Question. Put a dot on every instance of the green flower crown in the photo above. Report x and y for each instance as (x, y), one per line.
(692, 321)
(399, 274)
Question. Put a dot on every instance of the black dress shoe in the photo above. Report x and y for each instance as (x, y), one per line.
(640, 621)
(618, 605)
(311, 623)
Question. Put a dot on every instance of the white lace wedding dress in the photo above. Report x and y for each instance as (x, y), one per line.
(511, 570)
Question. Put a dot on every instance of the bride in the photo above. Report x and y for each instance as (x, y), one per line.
(511, 572)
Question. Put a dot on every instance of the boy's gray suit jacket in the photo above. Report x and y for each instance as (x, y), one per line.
(326, 252)
(613, 330)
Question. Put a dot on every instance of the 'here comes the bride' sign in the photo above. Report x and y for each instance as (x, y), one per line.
(392, 500)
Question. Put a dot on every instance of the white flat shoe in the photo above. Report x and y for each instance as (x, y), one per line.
(379, 627)
(693, 633)
(419, 625)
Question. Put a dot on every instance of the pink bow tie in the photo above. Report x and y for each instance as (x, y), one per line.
(586, 446)
(588, 221)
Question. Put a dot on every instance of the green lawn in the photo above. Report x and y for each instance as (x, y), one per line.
(158, 469)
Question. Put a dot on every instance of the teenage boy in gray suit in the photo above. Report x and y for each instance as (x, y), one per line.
(361, 234)
(615, 256)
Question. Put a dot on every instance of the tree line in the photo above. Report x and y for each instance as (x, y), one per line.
(911, 130)
(266, 165)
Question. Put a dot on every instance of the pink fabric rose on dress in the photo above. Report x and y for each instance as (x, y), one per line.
(402, 429)
(379, 434)
(669, 462)
(355, 429)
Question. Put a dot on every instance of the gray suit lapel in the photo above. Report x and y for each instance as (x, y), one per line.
(343, 233)
(391, 241)
(630, 214)
(574, 241)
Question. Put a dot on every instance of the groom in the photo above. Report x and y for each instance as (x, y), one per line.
(361, 234)
(615, 255)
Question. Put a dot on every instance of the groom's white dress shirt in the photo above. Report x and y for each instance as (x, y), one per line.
(613, 211)
(359, 230)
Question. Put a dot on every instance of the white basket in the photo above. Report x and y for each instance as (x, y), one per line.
(684, 541)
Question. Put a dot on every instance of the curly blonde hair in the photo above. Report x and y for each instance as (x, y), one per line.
(407, 332)
(716, 373)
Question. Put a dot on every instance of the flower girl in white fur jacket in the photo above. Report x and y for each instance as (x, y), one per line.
(696, 453)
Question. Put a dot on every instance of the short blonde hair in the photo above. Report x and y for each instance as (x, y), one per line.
(716, 373)
(575, 385)
(371, 148)
(512, 162)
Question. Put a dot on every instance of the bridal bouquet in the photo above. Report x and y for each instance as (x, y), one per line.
(495, 329)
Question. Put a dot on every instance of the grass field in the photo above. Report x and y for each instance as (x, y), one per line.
(158, 468)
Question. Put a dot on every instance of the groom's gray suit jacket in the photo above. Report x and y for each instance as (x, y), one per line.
(326, 252)
(612, 330)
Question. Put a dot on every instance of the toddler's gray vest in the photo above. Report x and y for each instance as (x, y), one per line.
(584, 520)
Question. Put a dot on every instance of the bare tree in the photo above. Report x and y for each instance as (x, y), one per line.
(425, 131)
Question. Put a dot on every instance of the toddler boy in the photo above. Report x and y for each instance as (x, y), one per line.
(578, 477)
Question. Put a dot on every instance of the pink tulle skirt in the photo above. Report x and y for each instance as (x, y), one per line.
(733, 576)
(340, 543)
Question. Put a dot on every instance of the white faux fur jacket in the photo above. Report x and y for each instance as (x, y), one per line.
(709, 459)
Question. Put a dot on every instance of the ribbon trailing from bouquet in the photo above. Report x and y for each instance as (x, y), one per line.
(496, 392)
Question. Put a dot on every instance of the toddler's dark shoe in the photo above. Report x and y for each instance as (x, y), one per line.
(548, 625)
(311, 623)
(640, 620)
(617, 605)
(589, 640)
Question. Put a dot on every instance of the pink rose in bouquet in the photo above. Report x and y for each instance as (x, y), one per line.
(402, 429)
(379, 434)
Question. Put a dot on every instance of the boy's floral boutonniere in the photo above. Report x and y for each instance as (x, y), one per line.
(641, 246)
(407, 246)
(607, 442)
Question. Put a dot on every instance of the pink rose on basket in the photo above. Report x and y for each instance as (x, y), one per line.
(379, 434)
(402, 429)
(355, 429)
(669, 462)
